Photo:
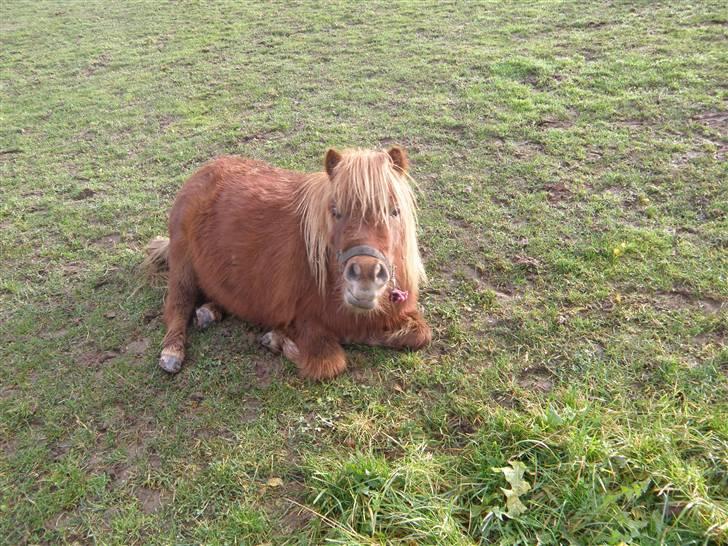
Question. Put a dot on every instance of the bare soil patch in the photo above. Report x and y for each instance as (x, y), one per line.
(557, 192)
(551, 123)
(108, 241)
(152, 500)
(536, 378)
(267, 370)
(505, 400)
(503, 294)
(681, 300)
(138, 347)
(716, 120)
(530, 264)
(97, 64)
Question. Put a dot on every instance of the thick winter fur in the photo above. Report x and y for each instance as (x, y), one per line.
(156, 264)
(261, 242)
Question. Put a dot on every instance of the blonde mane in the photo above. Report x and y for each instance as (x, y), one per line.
(367, 183)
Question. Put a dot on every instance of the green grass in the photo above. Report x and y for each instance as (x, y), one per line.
(573, 188)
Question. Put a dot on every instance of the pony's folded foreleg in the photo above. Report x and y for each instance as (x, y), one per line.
(316, 356)
(414, 333)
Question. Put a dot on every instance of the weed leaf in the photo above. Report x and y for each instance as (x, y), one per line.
(519, 486)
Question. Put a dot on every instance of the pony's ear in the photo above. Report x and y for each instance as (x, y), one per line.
(332, 160)
(399, 158)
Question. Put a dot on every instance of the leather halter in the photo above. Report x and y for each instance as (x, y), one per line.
(395, 295)
(363, 250)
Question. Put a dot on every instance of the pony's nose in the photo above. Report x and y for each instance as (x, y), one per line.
(365, 269)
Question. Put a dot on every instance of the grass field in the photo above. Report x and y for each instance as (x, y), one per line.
(571, 161)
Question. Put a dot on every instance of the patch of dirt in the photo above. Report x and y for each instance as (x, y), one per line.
(529, 263)
(72, 268)
(155, 461)
(621, 195)
(58, 451)
(478, 273)
(526, 150)
(108, 241)
(678, 299)
(120, 474)
(152, 500)
(9, 448)
(166, 120)
(63, 332)
(557, 192)
(267, 370)
(596, 24)
(632, 123)
(295, 520)
(94, 358)
(261, 136)
(684, 159)
(193, 405)
(138, 347)
(409, 144)
(722, 152)
(536, 378)
(39, 207)
(289, 516)
(589, 53)
(97, 64)
(716, 120)
(457, 424)
(710, 340)
(58, 522)
(505, 400)
(363, 375)
(108, 517)
(84, 194)
(550, 123)
(150, 315)
(95, 463)
(8, 392)
(252, 410)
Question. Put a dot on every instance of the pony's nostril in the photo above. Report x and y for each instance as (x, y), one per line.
(353, 272)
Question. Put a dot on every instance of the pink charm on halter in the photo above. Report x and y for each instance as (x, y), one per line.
(398, 296)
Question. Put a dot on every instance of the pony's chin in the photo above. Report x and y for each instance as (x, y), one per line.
(358, 306)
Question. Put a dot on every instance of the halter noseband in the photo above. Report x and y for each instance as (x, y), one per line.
(396, 295)
(363, 250)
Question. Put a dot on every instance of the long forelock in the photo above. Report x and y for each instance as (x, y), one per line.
(365, 183)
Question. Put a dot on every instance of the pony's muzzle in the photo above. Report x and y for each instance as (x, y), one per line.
(365, 279)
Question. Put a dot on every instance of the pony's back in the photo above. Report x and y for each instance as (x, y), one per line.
(242, 237)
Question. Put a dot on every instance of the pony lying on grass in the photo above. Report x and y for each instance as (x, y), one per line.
(320, 259)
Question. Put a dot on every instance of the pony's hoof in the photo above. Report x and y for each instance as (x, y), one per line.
(170, 363)
(203, 317)
(271, 342)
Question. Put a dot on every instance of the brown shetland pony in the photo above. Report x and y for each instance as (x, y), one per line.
(320, 259)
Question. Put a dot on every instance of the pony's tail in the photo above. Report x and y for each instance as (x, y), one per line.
(156, 264)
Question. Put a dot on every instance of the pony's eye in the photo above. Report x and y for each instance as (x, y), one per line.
(335, 212)
(395, 212)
